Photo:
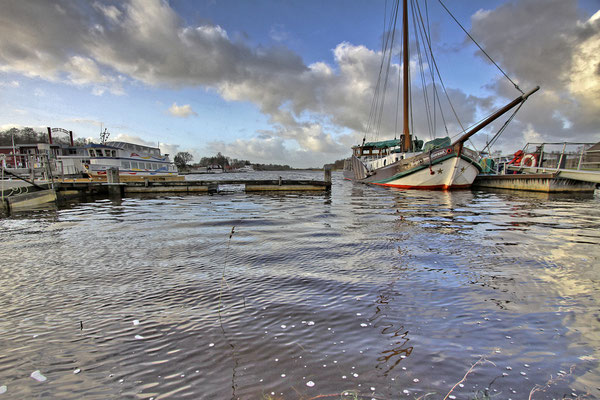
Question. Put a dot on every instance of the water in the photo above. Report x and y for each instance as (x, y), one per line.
(367, 291)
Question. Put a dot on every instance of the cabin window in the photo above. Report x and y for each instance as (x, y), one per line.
(134, 165)
(154, 166)
(91, 153)
(384, 162)
(126, 164)
(114, 153)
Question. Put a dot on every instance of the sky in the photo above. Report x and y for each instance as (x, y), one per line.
(290, 82)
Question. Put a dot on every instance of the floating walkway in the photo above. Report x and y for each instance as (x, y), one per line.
(546, 167)
(548, 183)
(18, 195)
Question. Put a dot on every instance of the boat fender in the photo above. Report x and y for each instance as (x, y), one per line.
(449, 150)
(529, 160)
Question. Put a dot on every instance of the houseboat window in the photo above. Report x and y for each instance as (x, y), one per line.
(114, 153)
(91, 153)
(134, 165)
(126, 164)
(148, 166)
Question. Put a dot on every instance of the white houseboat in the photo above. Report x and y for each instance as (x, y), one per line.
(129, 158)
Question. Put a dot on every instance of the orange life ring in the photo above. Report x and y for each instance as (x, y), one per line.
(529, 160)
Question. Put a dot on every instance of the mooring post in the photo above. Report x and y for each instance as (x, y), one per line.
(114, 183)
(327, 173)
(31, 168)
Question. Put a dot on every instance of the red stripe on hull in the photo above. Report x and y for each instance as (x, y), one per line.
(431, 187)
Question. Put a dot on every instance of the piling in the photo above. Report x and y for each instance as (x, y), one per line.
(327, 172)
(115, 188)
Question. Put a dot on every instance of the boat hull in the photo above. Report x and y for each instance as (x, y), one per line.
(451, 171)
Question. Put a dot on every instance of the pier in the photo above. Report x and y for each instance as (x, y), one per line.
(547, 167)
(23, 194)
(549, 183)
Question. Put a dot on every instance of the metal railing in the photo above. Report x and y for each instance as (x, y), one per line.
(550, 156)
(565, 155)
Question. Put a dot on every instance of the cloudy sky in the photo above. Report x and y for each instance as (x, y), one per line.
(288, 82)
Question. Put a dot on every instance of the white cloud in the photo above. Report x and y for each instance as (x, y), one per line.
(183, 111)
(278, 33)
(11, 84)
(111, 12)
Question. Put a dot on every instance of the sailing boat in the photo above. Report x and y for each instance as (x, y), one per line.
(405, 162)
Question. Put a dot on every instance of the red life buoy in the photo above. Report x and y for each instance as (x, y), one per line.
(529, 161)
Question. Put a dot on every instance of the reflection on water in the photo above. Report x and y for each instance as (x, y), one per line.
(374, 292)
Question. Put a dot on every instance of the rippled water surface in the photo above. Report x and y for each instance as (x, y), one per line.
(366, 291)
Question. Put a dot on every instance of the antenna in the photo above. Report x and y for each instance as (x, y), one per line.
(104, 135)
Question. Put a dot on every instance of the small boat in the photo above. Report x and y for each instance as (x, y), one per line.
(131, 159)
(407, 163)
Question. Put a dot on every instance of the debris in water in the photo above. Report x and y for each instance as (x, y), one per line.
(37, 375)
(310, 323)
(136, 322)
(139, 337)
(77, 371)
(310, 384)
(211, 345)
(3, 389)
(363, 325)
(283, 326)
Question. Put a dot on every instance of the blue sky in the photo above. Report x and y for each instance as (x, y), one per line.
(284, 81)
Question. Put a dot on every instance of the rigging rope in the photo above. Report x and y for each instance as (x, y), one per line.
(375, 113)
(480, 48)
(422, 73)
(502, 129)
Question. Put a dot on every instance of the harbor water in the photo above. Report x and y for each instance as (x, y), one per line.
(361, 292)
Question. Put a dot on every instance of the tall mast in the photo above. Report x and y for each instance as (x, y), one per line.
(406, 144)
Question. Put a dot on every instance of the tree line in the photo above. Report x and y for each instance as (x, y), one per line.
(31, 136)
(183, 160)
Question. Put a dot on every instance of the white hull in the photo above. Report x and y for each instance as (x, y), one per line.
(451, 173)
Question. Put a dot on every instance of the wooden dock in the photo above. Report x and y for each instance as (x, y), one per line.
(48, 192)
(178, 186)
